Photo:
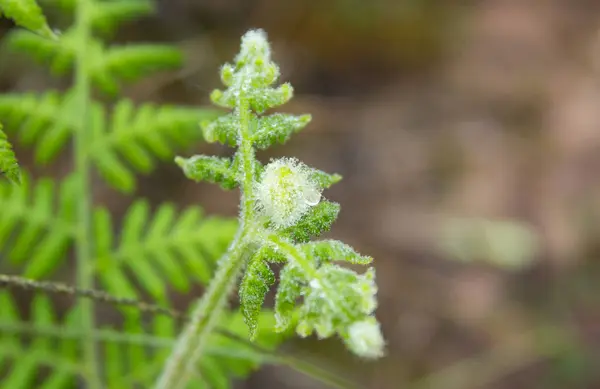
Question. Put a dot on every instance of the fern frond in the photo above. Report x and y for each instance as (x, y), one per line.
(46, 121)
(8, 161)
(132, 354)
(139, 135)
(28, 14)
(37, 224)
(158, 250)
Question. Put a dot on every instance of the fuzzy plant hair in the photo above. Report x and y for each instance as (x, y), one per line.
(281, 210)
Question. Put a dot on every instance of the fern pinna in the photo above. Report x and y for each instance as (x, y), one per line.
(149, 252)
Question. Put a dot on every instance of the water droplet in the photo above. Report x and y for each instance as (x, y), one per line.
(312, 196)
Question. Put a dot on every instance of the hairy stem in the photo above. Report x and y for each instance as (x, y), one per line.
(191, 344)
(84, 236)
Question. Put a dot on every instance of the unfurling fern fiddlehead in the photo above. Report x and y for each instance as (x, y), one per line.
(281, 209)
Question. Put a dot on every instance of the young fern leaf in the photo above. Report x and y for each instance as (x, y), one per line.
(288, 292)
(269, 254)
(277, 128)
(324, 180)
(44, 220)
(315, 222)
(223, 130)
(160, 250)
(333, 250)
(281, 208)
(257, 281)
(212, 169)
(8, 161)
(28, 14)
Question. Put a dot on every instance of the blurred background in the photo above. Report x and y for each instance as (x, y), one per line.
(468, 135)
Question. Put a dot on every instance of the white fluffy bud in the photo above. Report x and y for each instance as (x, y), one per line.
(286, 192)
(365, 339)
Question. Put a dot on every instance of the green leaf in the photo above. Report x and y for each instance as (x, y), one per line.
(37, 224)
(333, 250)
(269, 254)
(159, 250)
(277, 128)
(223, 130)
(322, 179)
(212, 169)
(139, 136)
(316, 221)
(288, 291)
(255, 285)
(107, 15)
(9, 165)
(262, 99)
(28, 14)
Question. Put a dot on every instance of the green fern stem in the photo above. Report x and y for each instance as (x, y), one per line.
(190, 346)
(82, 166)
(247, 156)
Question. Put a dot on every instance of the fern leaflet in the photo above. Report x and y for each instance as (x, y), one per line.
(27, 13)
(8, 161)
